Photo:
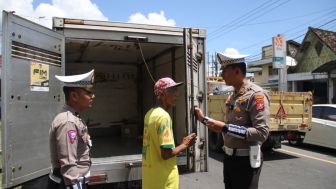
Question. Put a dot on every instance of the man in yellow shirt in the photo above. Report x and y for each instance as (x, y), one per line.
(159, 167)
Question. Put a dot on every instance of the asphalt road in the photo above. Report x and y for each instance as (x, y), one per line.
(303, 167)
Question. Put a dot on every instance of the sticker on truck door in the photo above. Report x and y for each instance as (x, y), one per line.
(39, 76)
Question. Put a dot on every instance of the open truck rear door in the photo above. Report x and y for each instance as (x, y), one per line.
(31, 96)
(196, 96)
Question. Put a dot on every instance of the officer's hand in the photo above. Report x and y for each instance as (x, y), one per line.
(189, 140)
(215, 125)
(211, 123)
(199, 113)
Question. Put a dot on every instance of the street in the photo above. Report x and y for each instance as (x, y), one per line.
(303, 167)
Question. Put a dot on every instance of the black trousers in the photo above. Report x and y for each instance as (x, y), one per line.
(54, 185)
(238, 173)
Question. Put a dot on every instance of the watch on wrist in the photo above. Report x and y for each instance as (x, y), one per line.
(205, 120)
(225, 128)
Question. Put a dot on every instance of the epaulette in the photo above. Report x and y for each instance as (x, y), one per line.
(255, 88)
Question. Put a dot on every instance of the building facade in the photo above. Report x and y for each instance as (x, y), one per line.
(315, 69)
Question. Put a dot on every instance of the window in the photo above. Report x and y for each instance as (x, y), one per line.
(317, 111)
(263, 54)
(272, 71)
(318, 47)
(329, 113)
(305, 46)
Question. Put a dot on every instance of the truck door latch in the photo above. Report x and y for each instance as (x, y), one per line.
(201, 143)
(133, 164)
(200, 96)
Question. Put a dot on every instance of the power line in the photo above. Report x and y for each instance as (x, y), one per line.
(253, 17)
(285, 19)
(330, 21)
(279, 20)
(286, 32)
(310, 58)
(324, 18)
(242, 17)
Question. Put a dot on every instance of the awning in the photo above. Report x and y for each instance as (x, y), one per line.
(327, 67)
(253, 69)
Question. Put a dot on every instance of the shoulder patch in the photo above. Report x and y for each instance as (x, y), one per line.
(72, 134)
(257, 97)
(260, 104)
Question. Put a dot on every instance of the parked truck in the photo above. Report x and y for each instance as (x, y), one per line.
(123, 55)
(290, 117)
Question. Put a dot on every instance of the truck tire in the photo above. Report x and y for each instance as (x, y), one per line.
(267, 145)
(215, 141)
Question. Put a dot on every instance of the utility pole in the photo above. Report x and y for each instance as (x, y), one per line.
(208, 65)
(212, 65)
(216, 68)
(282, 79)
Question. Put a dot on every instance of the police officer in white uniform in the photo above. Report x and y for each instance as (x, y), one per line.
(68, 136)
(245, 127)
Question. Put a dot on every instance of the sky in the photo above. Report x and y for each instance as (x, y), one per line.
(233, 27)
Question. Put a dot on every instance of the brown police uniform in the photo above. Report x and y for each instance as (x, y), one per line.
(247, 113)
(248, 107)
(69, 146)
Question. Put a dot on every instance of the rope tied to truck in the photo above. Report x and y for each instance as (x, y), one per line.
(144, 60)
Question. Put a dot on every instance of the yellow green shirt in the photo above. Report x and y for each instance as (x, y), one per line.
(158, 133)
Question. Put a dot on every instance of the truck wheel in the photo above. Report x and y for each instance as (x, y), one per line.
(215, 141)
(267, 145)
(266, 148)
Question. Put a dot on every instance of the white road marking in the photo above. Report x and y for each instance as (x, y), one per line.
(302, 155)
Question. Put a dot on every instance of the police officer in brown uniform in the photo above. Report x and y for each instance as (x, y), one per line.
(245, 127)
(68, 136)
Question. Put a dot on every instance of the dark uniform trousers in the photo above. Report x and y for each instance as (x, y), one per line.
(54, 185)
(238, 173)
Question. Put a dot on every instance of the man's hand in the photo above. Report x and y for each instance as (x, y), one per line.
(189, 140)
(212, 124)
(199, 113)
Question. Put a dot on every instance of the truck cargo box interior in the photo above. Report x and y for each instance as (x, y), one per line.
(123, 90)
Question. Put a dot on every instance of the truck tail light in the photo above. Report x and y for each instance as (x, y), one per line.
(291, 136)
(100, 178)
(303, 126)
